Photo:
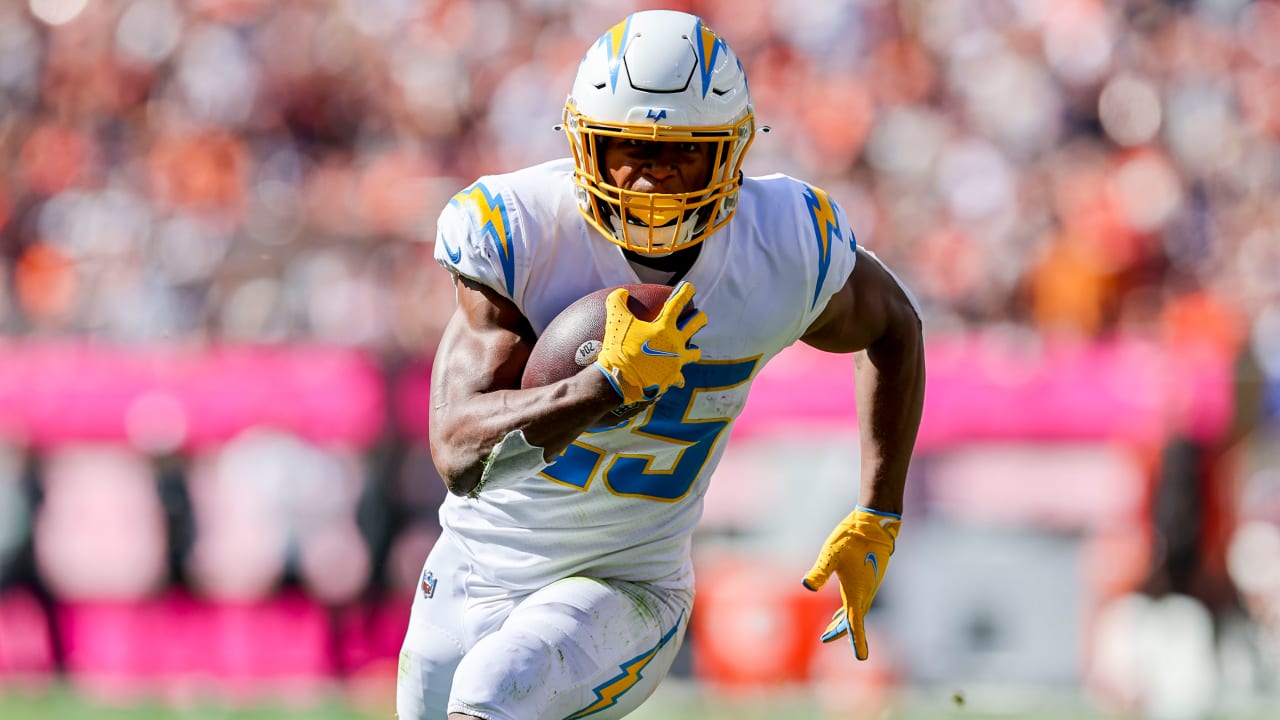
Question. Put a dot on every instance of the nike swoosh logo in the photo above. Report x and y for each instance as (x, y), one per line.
(875, 564)
(661, 353)
(454, 255)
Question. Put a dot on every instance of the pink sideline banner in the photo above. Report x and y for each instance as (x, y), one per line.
(985, 386)
(990, 386)
(169, 397)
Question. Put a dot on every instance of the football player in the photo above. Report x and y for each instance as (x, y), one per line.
(561, 586)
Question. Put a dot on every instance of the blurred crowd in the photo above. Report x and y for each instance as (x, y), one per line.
(269, 171)
(253, 170)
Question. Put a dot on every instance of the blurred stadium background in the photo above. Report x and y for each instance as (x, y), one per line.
(218, 310)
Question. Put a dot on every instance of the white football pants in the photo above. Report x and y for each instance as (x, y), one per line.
(579, 647)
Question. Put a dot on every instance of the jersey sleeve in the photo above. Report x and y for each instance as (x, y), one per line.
(831, 248)
(477, 237)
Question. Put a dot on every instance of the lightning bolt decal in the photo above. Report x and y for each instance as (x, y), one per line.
(709, 47)
(608, 693)
(826, 228)
(614, 42)
(490, 215)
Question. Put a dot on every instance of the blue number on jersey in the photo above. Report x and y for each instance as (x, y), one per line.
(668, 421)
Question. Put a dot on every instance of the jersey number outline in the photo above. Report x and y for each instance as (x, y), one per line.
(632, 474)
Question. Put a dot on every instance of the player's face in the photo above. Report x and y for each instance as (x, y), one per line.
(658, 167)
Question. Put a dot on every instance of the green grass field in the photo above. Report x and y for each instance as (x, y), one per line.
(674, 701)
(64, 704)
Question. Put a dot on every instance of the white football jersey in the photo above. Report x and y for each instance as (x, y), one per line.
(623, 502)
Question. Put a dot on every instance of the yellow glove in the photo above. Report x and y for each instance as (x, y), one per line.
(857, 551)
(643, 359)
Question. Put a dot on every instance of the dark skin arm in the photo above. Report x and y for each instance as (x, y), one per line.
(475, 395)
(872, 317)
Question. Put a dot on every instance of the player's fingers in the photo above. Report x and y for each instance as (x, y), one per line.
(677, 300)
(858, 633)
(616, 302)
(692, 324)
(837, 628)
(818, 574)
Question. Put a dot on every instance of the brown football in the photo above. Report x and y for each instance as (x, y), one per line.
(572, 340)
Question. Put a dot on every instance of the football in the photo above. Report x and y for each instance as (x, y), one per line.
(572, 340)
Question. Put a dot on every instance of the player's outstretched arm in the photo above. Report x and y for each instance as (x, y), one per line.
(873, 316)
(475, 397)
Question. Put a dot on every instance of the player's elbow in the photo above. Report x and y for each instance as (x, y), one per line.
(906, 326)
(909, 342)
(459, 480)
(460, 473)
(910, 333)
(900, 348)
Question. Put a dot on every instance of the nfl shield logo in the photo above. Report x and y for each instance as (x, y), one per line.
(428, 584)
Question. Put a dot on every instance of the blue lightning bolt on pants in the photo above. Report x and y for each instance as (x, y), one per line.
(577, 648)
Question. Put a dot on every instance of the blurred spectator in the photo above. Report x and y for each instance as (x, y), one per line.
(229, 169)
(15, 512)
(269, 507)
(100, 533)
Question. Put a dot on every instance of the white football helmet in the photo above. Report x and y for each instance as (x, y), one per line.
(659, 75)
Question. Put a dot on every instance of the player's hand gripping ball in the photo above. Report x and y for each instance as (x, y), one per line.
(649, 319)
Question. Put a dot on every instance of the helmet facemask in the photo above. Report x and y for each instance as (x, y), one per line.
(657, 223)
